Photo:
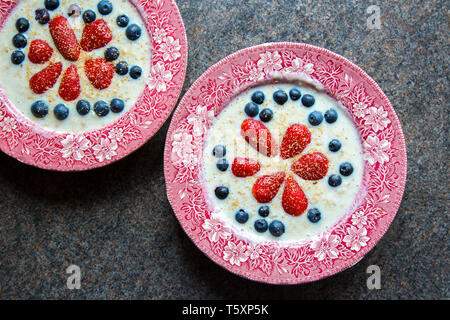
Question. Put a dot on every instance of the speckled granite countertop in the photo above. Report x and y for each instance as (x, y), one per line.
(116, 222)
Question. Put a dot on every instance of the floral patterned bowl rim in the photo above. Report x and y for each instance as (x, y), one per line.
(356, 233)
(33, 145)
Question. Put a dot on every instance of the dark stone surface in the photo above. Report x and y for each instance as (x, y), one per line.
(116, 222)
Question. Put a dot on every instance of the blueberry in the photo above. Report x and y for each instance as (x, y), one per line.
(42, 16)
(51, 4)
(83, 107)
(266, 115)
(117, 105)
(89, 16)
(315, 118)
(280, 97)
(346, 169)
(276, 228)
(261, 225)
(308, 100)
(17, 57)
(221, 192)
(219, 151)
(295, 94)
(135, 72)
(22, 25)
(122, 68)
(39, 109)
(331, 116)
(101, 108)
(105, 7)
(314, 215)
(264, 211)
(19, 41)
(112, 54)
(122, 21)
(222, 164)
(241, 216)
(258, 97)
(251, 109)
(133, 32)
(334, 145)
(334, 180)
(61, 112)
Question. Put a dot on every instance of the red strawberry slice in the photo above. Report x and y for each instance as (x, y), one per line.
(258, 136)
(45, 79)
(39, 52)
(70, 89)
(245, 167)
(266, 187)
(295, 140)
(99, 72)
(294, 201)
(95, 35)
(311, 166)
(64, 38)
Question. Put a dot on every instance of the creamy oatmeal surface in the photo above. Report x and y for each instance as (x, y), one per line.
(332, 202)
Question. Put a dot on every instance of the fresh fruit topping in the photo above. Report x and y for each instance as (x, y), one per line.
(39, 109)
(74, 11)
(311, 166)
(83, 107)
(258, 97)
(241, 216)
(221, 192)
(295, 94)
(17, 57)
(42, 16)
(266, 187)
(314, 215)
(276, 228)
(280, 97)
(95, 35)
(308, 100)
(315, 118)
(264, 211)
(45, 79)
(294, 201)
(122, 68)
(251, 109)
(19, 41)
(112, 54)
(122, 21)
(61, 112)
(244, 167)
(133, 32)
(101, 108)
(135, 72)
(334, 145)
(219, 151)
(334, 180)
(222, 164)
(331, 116)
(70, 88)
(295, 140)
(105, 7)
(258, 136)
(64, 38)
(22, 25)
(261, 225)
(117, 105)
(266, 115)
(89, 16)
(51, 4)
(346, 169)
(99, 72)
(40, 51)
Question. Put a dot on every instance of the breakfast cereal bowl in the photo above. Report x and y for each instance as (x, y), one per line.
(85, 83)
(285, 163)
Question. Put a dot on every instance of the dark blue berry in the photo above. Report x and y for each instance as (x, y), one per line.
(135, 72)
(308, 100)
(334, 145)
(334, 180)
(219, 151)
(241, 216)
(280, 97)
(315, 118)
(112, 54)
(17, 57)
(251, 109)
(61, 112)
(133, 32)
(122, 68)
(105, 7)
(266, 115)
(258, 97)
(221, 192)
(295, 94)
(22, 25)
(122, 21)
(314, 215)
(261, 225)
(264, 211)
(89, 16)
(51, 4)
(331, 116)
(346, 169)
(222, 164)
(19, 41)
(276, 228)
(101, 108)
(42, 16)
(117, 105)
(83, 107)
(39, 109)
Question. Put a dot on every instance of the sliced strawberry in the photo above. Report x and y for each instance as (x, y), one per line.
(70, 89)
(64, 38)
(311, 166)
(245, 167)
(40, 51)
(266, 187)
(295, 140)
(45, 79)
(294, 201)
(99, 72)
(258, 136)
(95, 35)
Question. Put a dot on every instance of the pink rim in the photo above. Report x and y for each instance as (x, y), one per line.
(31, 144)
(354, 235)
